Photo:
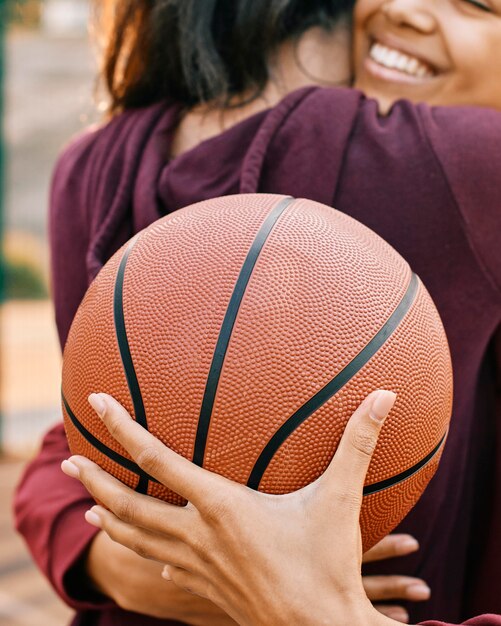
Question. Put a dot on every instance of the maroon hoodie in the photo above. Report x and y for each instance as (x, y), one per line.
(426, 180)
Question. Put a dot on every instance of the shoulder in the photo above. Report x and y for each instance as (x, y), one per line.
(462, 126)
(343, 112)
(73, 157)
(456, 150)
(467, 143)
(120, 131)
(93, 153)
(458, 136)
(70, 173)
(445, 128)
(459, 146)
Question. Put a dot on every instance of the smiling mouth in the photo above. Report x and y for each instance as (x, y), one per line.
(399, 62)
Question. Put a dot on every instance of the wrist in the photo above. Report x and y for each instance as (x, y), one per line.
(345, 613)
(325, 608)
(97, 566)
(332, 611)
(369, 616)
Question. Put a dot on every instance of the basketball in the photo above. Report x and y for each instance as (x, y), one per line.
(243, 332)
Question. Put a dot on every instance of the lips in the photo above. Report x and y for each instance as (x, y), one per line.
(399, 61)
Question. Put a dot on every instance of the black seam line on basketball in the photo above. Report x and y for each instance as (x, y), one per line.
(227, 328)
(125, 354)
(123, 342)
(142, 484)
(104, 449)
(398, 478)
(333, 386)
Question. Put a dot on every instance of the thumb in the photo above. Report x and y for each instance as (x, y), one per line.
(347, 470)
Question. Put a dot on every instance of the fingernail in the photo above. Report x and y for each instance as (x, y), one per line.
(409, 544)
(98, 403)
(381, 405)
(93, 519)
(418, 592)
(70, 469)
(165, 573)
(400, 615)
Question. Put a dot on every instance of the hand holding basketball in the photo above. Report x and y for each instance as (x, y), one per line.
(233, 545)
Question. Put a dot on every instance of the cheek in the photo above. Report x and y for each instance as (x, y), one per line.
(364, 10)
(477, 68)
(486, 76)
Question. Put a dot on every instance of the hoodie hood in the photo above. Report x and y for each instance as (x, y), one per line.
(126, 180)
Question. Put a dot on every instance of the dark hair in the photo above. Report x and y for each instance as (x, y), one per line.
(194, 51)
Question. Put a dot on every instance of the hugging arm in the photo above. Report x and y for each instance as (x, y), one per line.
(87, 570)
(50, 520)
(291, 559)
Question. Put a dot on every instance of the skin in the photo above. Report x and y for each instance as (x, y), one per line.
(135, 583)
(211, 547)
(458, 40)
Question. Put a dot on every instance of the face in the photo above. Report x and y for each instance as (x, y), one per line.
(443, 52)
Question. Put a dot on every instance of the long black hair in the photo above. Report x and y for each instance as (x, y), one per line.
(194, 51)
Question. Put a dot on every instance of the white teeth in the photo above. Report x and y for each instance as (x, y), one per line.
(394, 59)
(402, 63)
(412, 66)
(390, 58)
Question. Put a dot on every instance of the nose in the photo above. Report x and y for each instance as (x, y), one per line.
(415, 14)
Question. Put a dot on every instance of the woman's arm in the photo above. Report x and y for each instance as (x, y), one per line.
(49, 508)
(48, 513)
(292, 559)
(68, 550)
(85, 568)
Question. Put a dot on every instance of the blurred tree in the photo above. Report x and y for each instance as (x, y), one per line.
(24, 12)
(23, 282)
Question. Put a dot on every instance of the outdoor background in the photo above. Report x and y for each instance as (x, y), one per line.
(48, 89)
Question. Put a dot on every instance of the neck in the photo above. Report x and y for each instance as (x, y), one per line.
(319, 57)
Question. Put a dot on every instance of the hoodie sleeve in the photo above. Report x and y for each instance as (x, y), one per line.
(89, 218)
(482, 620)
(49, 507)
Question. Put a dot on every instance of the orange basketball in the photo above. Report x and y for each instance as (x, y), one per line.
(244, 331)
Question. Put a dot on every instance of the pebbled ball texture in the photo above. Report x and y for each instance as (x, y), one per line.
(322, 287)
